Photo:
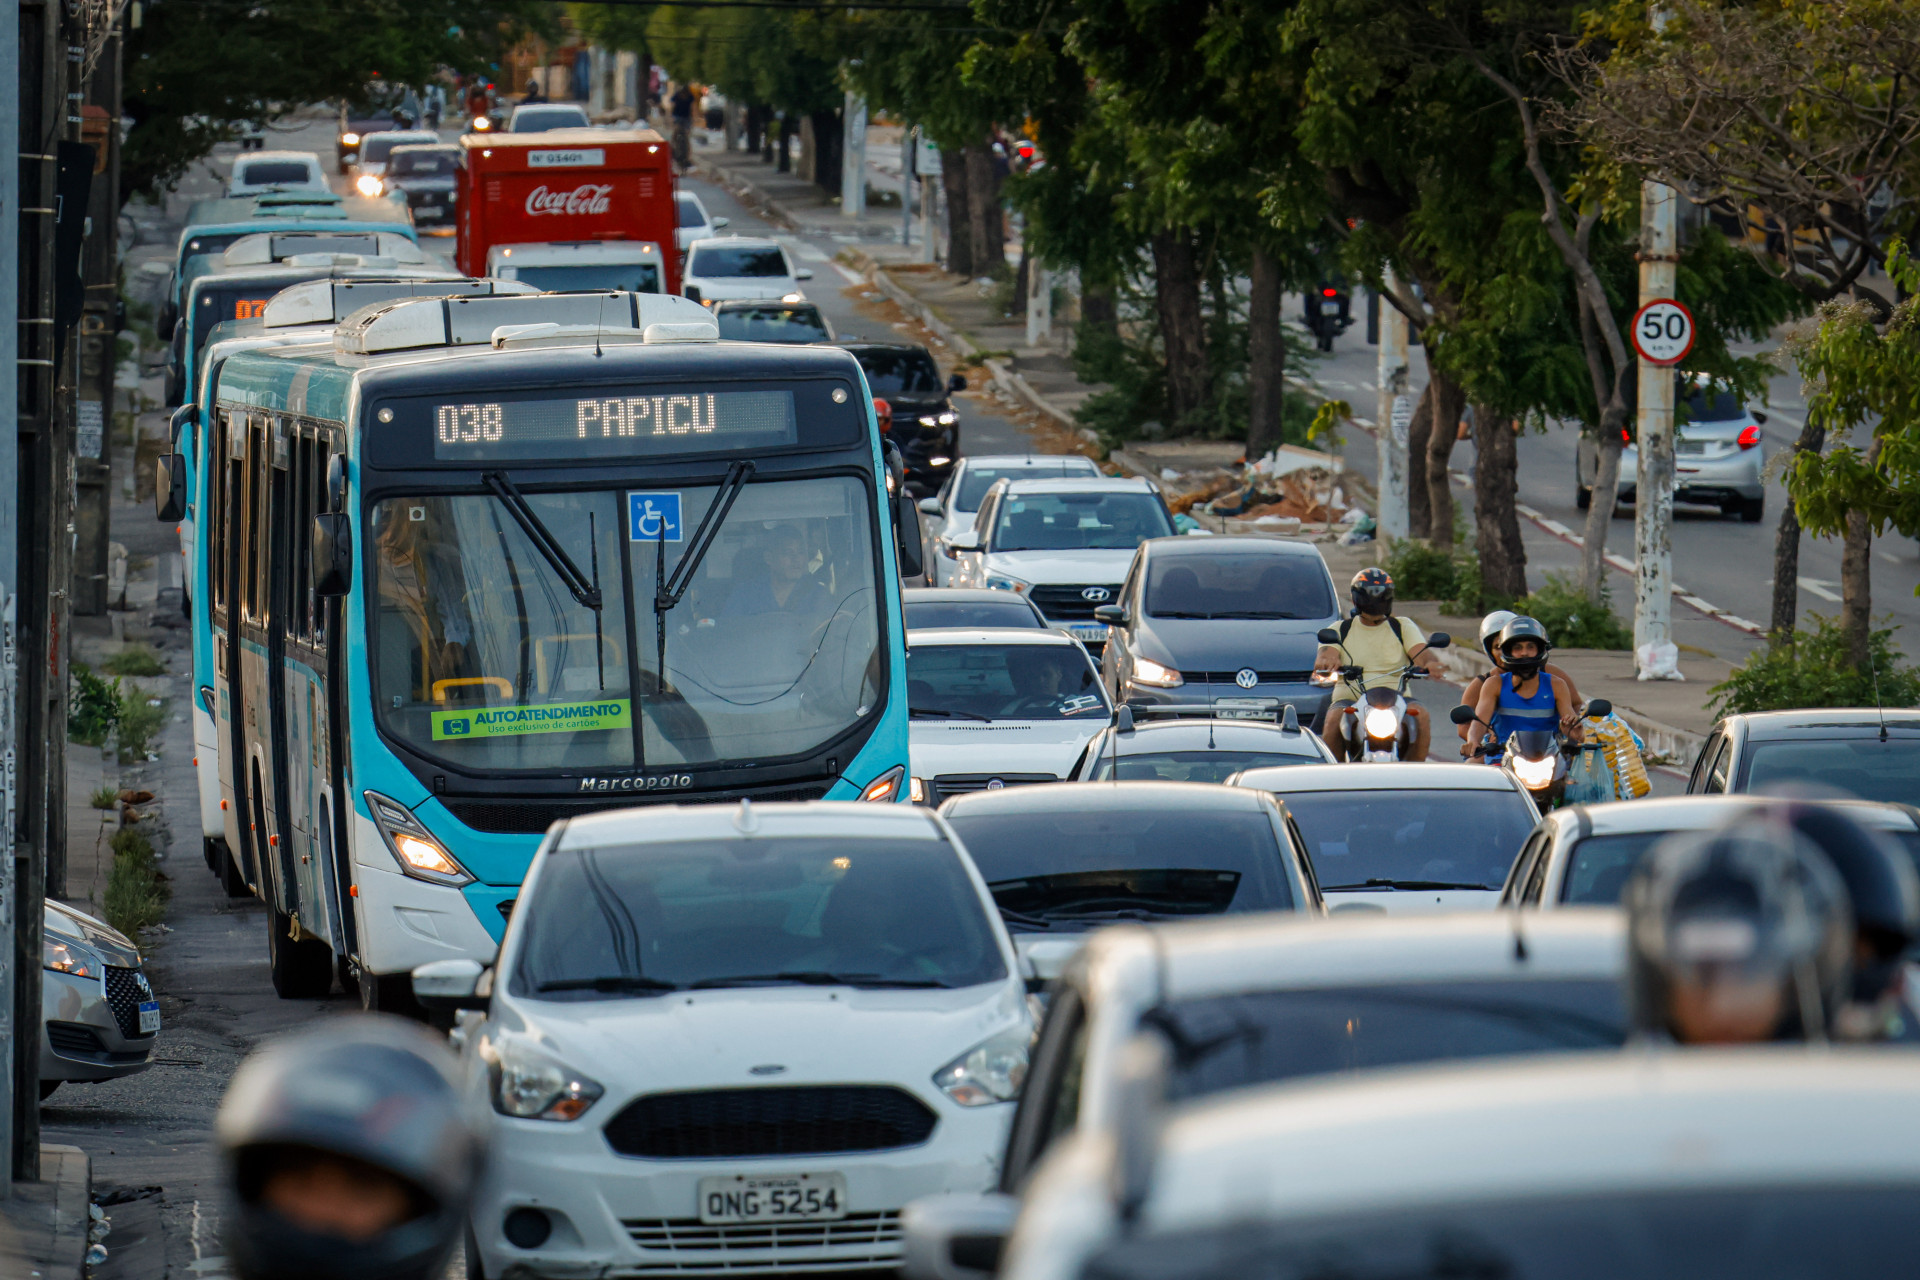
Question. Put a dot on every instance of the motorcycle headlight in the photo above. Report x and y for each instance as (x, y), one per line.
(1382, 722)
(530, 1085)
(367, 185)
(992, 1071)
(1533, 774)
(999, 582)
(63, 956)
(481, 124)
(1147, 671)
(413, 846)
(349, 139)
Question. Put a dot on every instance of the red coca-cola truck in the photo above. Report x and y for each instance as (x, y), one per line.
(566, 185)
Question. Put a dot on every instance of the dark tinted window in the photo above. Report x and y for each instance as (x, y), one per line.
(1711, 406)
(1075, 521)
(1600, 866)
(722, 261)
(689, 212)
(590, 277)
(376, 149)
(1192, 766)
(980, 479)
(1081, 869)
(717, 913)
(1863, 767)
(772, 323)
(972, 613)
(1240, 585)
(264, 172)
(1226, 1042)
(900, 372)
(1003, 682)
(540, 120)
(408, 163)
(1463, 838)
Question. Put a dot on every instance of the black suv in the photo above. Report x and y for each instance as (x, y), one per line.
(925, 427)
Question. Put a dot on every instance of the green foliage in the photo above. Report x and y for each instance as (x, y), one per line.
(137, 890)
(1471, 597)
(93, 707)
(134, 660)
(1422, 572)
(1814, 671)
(1572, 621)
(104, 798)
(141, 719)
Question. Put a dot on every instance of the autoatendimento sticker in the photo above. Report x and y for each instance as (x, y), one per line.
(551, 717)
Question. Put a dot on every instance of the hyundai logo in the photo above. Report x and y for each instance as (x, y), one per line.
(1246, 677)
(1095, 594)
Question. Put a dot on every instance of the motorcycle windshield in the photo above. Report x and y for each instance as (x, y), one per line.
(1533, 744)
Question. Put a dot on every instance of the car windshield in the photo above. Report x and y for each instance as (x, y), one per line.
(408, 163)
(900, 373)
(1191, 766)
(541, 119)
(1598, 869)
(634, 920)
(376, 149)
(977, 479)
(482, 657)
(1706, 405)
(1863, 767)
(1230, 1041)
(1380, 839)
(1067, 870)
(1238, 585)
(1003, 682)
(1079, 521)
(262, 173)
(689, 210)
(1865, 1227)
(588, 277)
(972, 613)
(754, 262)
(775, 322)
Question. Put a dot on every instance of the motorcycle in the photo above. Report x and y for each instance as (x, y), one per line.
(1329, 313)
(1377, 728)
(1540, 758)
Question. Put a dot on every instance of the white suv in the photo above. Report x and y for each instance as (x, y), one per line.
(952, 511)
(722, 268)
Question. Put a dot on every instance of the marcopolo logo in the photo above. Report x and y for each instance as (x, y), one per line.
(587, 198)
(552, 717)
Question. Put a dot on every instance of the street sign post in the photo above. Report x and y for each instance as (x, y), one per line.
(1663, 332)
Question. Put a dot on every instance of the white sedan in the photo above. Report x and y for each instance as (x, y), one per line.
(723, 268)
(736, 1040)
(695, 222)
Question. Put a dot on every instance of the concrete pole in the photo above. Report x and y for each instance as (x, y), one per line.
(1039, 301)
(1394, 417)
(10, 91)
(1655, 657)
(907, 147)
(853, 158)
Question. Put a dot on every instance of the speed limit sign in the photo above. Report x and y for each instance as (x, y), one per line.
(1663, 332)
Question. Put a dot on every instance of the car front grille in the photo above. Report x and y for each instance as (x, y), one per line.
(947, 785)
(1069, 604)
(1227, 677)
(123, 997)
(804, 1120)
(533, 817)
(859, 1239)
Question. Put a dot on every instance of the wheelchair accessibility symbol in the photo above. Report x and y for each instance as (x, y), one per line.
(653, 517)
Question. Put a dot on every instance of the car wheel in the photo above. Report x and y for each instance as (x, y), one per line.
(300, 970)
(1582, 495)
(46, 1091)
(210, 850)
(1751, 510)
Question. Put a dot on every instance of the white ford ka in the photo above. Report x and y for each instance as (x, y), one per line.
(736, 1041)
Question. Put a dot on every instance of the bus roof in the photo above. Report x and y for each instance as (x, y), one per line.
(286, 210)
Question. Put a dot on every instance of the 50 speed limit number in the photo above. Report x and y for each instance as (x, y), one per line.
(1663, 332)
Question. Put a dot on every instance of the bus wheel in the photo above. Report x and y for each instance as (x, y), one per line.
(210, 850)
(231, 878)
(390, 993)
(301, 970)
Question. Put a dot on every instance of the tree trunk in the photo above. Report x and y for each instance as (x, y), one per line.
(786, 144)
(1856, 577)
(1176, 288)
(985, 223)
(1606, 492)
(953, 175)
(1786, 550)
(1266, 358)
(1503, 556)
(1419, 504)
(1022, 282)
(827, 151)
(1449, 398)
(755, 115)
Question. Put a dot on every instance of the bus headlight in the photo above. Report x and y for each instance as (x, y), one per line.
(412, 845)
(886, 788)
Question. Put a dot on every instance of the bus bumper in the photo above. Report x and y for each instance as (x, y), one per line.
(206, 768)
(404, 922)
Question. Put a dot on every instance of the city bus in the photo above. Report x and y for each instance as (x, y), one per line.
(487, 563)
(302, 305)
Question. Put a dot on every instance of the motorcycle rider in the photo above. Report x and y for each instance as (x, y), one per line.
(1490, 628)
(1739, 935)
(1526, 695)
(349, 1154)
(1382, 646)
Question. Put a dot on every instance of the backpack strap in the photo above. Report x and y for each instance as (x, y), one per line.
(1393, 623)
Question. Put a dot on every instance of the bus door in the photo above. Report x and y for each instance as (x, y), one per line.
(227, 570)
(300, 757)
(245, 647)
(276, 838)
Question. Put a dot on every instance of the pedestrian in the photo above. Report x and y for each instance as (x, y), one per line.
(682, 105)
(348, 1153)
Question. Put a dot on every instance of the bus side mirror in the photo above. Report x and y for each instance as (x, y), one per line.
(909, 541)
(170, 487)
(332, 554)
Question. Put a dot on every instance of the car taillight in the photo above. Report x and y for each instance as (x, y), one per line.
(1626, 437)
(1751, 436)
(1330, 293)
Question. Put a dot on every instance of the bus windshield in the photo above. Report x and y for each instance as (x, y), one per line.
(483, 658)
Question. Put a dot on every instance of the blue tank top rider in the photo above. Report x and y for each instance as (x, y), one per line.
(1526, 695)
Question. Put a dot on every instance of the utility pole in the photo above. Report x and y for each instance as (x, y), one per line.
(1654, 653)
(100, 271)
(908, 138)
(12, 96)
(1395, 416)
(853, 158)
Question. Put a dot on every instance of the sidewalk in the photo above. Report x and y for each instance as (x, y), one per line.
(43, 1225)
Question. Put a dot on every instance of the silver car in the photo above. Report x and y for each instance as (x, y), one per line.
(99, 1010)
(1717, 458)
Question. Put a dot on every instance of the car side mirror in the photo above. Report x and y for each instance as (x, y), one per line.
(907, 541)
(1439, 640)
(1760, 417)
(447, 985)
(803, 273)
(719, 222)
(332, 554)
(1112, 614)
(965, 540)
(956, 1236)
(931, 506)
(170, 487)
(958, 382)
(1462, 714)
(1328, 636)
(692, 293)
(1599, 708)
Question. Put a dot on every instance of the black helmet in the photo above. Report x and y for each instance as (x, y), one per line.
(1748, 908)
(1524, 628)
(1881, 885)
(1372, 592)
(376, 1093)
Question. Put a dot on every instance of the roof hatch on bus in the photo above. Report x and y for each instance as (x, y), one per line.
(331, 301)
(277, 246)
(455, 322)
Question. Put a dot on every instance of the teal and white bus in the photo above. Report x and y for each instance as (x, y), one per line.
(482, 564)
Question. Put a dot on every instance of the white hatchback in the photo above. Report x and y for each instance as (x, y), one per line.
(722, 268)
(736, 1041)
(258, 172)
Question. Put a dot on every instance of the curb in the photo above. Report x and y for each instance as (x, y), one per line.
(43, 1225)
(748, 192)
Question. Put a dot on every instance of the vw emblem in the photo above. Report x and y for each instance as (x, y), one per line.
(994, 784)
(1246, 677)
(1096, 594)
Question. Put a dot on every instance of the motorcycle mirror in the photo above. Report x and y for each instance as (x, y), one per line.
(1462, 714)
(1439, 640)
(1329, 636)
(1599, 709)
(1351, 673)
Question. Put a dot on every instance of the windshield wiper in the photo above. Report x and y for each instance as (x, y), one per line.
(667, 593)
(1378, 883)
(932, 713)
(1024, 920)
(611, 982)
(583, 589)
(813, 978)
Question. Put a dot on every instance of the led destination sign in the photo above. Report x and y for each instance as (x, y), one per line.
(612, 426)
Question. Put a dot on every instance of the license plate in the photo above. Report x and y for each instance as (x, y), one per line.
(1242, 708)
(1094, 631)
(1329, 308)
(1689, 446)
(149, 1017)
(796, 1197)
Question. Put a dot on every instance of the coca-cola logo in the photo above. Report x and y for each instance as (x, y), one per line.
(587, 198)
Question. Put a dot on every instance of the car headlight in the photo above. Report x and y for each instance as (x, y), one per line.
(928, 420)
(793, 297)
(917, 790)
(992, 1071)
(885, 788)
(63, 956)
(946, 419)
(481, 124)
(349, 139)
(530, 1085)
(1147, 671)
(1382, 722)
(1533, 774)
(367, 185)
(1000, 582)
(412, 845)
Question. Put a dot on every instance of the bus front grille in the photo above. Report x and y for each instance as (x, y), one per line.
(533, 817)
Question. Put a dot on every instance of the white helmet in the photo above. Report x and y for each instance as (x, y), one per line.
(1492, 625)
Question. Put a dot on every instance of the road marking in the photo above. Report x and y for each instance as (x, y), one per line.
(806, 252)
(852, 277)
(1819, 587)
